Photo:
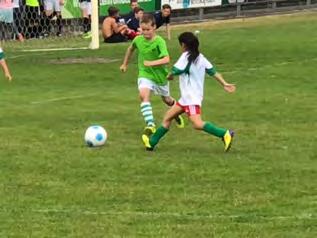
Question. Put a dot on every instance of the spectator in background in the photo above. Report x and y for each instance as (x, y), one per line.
(112, 31)
(133, 5)
(85, 6)
(4, 66)
(18, 19)
(53, 8)
(6, 19)
(32, 19)
(134, 23)
(163, 17)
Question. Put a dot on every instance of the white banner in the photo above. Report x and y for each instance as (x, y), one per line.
(182, 4)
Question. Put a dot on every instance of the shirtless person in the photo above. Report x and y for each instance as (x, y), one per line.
(112, 31)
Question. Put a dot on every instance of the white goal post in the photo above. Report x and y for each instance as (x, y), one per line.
(94, 44)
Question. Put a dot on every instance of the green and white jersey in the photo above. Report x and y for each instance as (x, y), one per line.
(191, 78)
(1, 54)
(151, 50)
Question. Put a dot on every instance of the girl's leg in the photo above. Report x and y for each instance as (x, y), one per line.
(208, 127)
(169, 101)
(224, 134)
(173, 112)
(146, 108)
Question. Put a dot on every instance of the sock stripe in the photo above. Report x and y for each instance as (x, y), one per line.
(145, 104)
(147, 114)
(146, 109)
(149, 118)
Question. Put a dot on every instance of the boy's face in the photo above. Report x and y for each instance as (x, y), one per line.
(148, 30)
(166, 12)
(139, 15)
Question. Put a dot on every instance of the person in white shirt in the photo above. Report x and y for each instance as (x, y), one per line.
(191, 68)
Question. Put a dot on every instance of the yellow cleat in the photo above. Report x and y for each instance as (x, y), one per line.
(227, 139)
(149, 130)
(146, 142)
(180, 121)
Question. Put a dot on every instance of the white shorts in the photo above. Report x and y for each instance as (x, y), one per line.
(52, 5)
(86, 6)
(157, 89)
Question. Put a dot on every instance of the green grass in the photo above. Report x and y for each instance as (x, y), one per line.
(52, 185)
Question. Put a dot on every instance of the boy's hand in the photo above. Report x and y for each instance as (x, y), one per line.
(123, 68)
(170, 76)
(230, 88)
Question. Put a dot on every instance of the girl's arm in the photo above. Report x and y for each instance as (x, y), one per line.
(227, 86)
(127, 57)
(5, 69)
(164, 60)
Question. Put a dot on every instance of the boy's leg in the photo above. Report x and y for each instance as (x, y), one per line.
(151, 142)
(210, 128)
(169, 101)
(146, 107)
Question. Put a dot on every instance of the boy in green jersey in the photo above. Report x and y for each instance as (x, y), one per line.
(4, 66)
(153, 58)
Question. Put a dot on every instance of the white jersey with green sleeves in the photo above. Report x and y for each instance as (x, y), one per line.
(1, 54)
(151, 50)
(191, 78)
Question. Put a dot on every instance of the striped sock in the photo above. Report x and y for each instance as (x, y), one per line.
(146, 110)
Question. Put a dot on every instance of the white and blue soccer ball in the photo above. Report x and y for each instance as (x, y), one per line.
(95, 136)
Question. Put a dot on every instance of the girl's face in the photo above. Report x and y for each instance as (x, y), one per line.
(183, 47)
(148, 30)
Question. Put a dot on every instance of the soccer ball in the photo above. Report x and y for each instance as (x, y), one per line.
(95, 136)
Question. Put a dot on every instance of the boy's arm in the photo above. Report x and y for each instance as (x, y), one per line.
(5, 69)
(126, 59)
(117, 28)
(163, 57)
(162, 61)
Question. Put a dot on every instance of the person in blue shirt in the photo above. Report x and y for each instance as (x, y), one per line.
(130, 15)
(163, 17)
(134, 23)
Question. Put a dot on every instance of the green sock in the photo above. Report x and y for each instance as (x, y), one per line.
(212, 129)
(155, 138)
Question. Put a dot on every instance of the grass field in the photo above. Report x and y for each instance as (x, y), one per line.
(52, 185)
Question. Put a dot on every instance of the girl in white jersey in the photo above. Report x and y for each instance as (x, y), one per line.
(4, 66)
(191, 68)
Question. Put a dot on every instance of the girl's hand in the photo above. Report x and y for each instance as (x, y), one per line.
(123, 68)
(147, 63)
(170, 76)
(230, 88)
(8, 76)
